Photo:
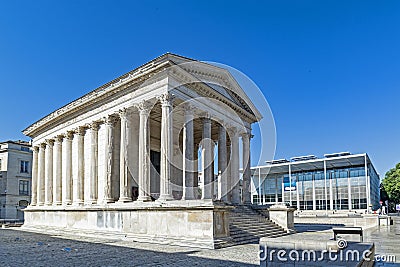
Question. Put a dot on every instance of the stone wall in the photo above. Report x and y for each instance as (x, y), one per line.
(190, 226)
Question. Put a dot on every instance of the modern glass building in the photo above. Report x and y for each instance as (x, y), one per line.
(339, 181)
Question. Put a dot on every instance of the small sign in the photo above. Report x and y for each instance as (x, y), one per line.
(398, 207)
(289, 185)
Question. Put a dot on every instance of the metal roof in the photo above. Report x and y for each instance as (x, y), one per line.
(314, 164)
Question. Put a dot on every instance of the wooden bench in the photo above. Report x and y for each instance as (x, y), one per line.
(348, 230)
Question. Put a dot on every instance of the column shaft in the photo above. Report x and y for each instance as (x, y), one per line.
(166, 148)
(124, 187)
(35, 163)
(41, 174)
(78, 187)
(144, 151)
(67, 176)
(228, 172)
(222, 163)
(188, 159)
(206, 161)
(196, 171)
(246, 169)
(109, 158)
(49, 173)
(94, 162)
(57, 197)
(235, 179)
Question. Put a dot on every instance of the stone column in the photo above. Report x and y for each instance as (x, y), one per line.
(109, 158)
(144, 151)
(196, 171)
(188, 159)
(35, 162)
(41, 174)
(78, 187)
(67, 176)
(94, 163)
(206, 161)
(228, 172)
(235, 166)
(213, 185)
(166, 147)
(57, 197)
(222, 164)
(124, 181)
(49, 172)
(246, 168)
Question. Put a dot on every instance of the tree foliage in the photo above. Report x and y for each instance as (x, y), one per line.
(391, 184)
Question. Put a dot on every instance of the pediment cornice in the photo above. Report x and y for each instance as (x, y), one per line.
(134, 79)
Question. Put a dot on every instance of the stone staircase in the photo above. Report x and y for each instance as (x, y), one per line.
(247, 226)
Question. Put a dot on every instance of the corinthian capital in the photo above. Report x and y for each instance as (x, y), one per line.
(110, 120)
(246, 135)
(166, 99)
(59, 139)
(69, 135)
(80, 130)
(144, 106)
(94, 126)
(49, 142)
(232, 130)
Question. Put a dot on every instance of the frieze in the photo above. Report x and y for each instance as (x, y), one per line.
(132, 80)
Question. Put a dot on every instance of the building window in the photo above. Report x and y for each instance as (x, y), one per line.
(24, 166)
(24, 188)
(24, 148)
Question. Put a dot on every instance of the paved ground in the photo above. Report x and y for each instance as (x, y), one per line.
(18, 248)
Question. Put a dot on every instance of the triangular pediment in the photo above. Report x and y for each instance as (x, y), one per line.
(218, 79)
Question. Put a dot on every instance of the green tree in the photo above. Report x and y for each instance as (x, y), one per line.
(391, 184)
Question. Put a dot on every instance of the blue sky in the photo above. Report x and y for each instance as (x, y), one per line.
(329, 69)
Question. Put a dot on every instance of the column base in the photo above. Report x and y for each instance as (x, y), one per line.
(57, 203)
(109, 200)
(164, 198)
(144, 198)
(67, 202)
(125, 199)
(48, 203)
(188, 198)
(78, 203)
(91, 201)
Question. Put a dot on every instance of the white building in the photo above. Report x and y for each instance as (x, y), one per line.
(15, 178)
(339, 181)
(100, 161)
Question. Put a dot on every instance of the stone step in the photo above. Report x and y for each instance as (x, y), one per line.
(248, 226)
(261, 234)
(256, 230)
(258, 234)
(253, 225)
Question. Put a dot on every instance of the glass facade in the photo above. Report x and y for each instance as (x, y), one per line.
(344, 188)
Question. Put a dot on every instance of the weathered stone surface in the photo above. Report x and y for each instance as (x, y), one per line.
(116, 148)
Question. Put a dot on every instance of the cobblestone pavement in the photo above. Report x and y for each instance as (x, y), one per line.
(18, 248)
